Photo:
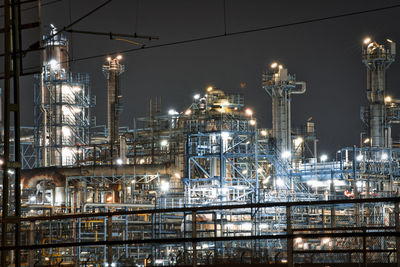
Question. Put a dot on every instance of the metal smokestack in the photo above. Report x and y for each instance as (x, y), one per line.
(377, 58)
(112, 69)
(280, 86)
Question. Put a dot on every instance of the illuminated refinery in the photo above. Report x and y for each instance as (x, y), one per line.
(203, 185)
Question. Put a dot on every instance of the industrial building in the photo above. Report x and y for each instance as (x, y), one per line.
(204, 185)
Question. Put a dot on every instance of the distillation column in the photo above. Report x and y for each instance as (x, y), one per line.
(112, 69)
(377, 58)
(54, 67)
(61, 106)
(280, 86)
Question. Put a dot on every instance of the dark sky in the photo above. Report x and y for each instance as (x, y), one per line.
(324, 54)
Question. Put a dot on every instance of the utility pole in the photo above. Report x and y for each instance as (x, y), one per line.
(12, 67)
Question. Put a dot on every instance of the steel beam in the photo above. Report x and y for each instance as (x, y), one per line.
(7, 89)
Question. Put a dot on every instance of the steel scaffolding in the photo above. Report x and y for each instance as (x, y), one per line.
(61, 118)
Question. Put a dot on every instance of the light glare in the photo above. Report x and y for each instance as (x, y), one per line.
(164, 186)
(54, 64)
(298, 141)
(164, 142)
(280, 183)
(172, 112)
(286, 154)
(249, 112)
(224, 135)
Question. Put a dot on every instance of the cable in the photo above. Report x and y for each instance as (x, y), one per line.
(20, 3)
(234, 33)
(244, 32)
(77, 20)
(128, 41)
(42, 5)
(224, 16)
(71, 34)
(137, 15)
(111, 35)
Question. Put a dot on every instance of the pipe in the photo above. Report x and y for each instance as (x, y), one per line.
(30, 178)
(301, 91)
(117, 205)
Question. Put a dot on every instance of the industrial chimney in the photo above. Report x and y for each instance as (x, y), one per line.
(377, 58)
(112, 69)
(280, 86)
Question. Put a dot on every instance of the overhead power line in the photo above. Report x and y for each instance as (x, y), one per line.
(211, 37)
(91, 12)
(33, 7)
(35, 46)
(253, 30)
(112, 35)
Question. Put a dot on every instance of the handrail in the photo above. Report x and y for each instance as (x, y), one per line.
(205, 208)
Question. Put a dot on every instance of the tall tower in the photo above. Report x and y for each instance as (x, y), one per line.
(61, 106)
(280, 86)
(377, 58)
(112, 69)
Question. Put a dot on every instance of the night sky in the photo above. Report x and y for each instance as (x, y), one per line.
(326, 55)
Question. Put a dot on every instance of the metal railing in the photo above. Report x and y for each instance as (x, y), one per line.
(336, 231)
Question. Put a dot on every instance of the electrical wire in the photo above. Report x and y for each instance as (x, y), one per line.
(91, 12)
(42, 5)
(211, 37)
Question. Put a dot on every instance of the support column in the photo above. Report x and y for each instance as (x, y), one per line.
(16, 61)
(289, 239)
(364, 248)
(109, 238)
(194, 235)
(397, 223)
(11, 70)
(215, 217)
(7, 74)
(31, 262)
(333, 216)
